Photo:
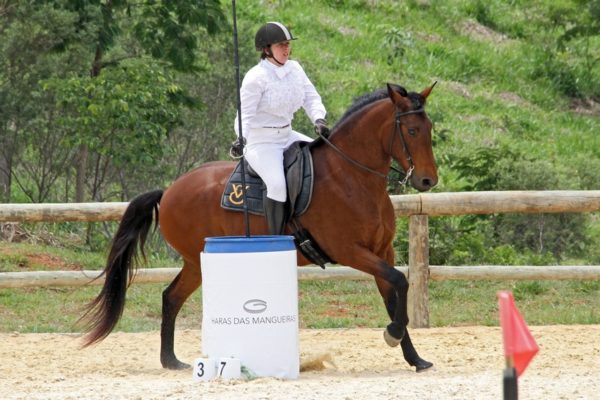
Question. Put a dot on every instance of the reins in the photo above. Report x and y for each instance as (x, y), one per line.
(350, 160)
(397, 130)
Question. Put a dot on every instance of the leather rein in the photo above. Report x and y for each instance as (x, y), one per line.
(397, 131)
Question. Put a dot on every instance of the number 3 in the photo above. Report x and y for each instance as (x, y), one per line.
(200, 372)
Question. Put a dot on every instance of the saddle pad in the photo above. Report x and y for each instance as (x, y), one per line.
(298, 166)
(232, 198)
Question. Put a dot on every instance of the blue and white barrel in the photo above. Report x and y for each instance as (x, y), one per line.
(250, 303)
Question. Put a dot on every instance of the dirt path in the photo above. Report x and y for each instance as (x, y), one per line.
(468, 365)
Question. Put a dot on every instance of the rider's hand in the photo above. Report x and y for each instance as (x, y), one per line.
(237, 148)
(321, 128)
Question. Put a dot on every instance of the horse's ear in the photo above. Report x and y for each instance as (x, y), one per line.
(428, 90)
(396, 92)
(391, 87)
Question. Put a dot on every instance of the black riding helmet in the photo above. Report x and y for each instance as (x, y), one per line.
(271, 33)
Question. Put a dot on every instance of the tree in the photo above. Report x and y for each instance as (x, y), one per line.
(26, 57)
(121, 117)
(166, 31)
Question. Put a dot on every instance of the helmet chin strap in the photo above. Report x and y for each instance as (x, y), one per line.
(270, 55)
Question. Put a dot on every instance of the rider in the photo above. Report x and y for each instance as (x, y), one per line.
(271, 92)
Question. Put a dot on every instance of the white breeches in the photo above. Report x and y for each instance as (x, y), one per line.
(264, 153)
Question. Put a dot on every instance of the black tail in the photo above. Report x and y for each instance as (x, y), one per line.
(104, 311)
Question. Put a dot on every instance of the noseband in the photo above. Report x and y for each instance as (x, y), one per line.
(397, 131)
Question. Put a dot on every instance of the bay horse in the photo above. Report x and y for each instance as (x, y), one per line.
(350, 216)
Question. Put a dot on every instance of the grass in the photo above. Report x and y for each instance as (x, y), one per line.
(28, 257)
(323, 304)
(329, 304)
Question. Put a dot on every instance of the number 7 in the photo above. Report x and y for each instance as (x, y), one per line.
(223, 364)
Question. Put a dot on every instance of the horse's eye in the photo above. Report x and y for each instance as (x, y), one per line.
(412, 131)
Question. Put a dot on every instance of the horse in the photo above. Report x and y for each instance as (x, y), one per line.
(350, 216)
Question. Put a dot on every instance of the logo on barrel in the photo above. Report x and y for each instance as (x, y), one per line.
(255, 306)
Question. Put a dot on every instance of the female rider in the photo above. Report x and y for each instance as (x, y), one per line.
(271, 92)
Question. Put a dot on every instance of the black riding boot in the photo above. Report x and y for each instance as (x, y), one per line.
(275, 213)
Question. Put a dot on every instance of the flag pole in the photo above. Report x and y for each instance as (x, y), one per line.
(519, 345)
(510, 382)
(236, 61)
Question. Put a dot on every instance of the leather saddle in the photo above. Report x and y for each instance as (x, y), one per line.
(298, 167)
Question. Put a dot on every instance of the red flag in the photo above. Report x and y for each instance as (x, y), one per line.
(519, 345)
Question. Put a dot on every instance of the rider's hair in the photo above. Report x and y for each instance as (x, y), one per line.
(263, 53)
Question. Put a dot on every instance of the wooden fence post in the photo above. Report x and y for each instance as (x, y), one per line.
(418, 271)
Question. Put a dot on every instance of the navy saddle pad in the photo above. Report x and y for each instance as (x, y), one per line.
(298, 166)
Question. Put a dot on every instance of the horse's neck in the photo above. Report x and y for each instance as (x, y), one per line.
(361, 140)
(364, 139)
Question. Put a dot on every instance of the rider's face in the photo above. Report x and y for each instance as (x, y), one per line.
(281, 51)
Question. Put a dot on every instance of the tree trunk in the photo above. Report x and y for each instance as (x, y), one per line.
(5, 178)
(81, 173)
(83, 149)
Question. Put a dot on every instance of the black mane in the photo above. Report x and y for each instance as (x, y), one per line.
(362, 101)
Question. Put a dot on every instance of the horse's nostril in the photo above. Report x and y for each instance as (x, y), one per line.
(426, 182)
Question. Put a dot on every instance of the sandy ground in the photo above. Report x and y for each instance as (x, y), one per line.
(468, 365)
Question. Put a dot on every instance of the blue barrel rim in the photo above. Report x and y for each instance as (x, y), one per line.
(249, 244)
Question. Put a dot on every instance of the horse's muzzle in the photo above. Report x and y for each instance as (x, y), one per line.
(423, 183)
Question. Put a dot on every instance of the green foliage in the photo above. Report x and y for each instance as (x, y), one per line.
(527, 290)
(395, 43)
(126, 113)
(587, 287)
(60, 105)
(162, 100)
(13, 262)
(581, 30)
(507, 168)
(168, 29)
(557, 71)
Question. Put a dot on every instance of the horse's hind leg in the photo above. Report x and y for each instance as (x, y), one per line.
(392, 303)
(186, 282)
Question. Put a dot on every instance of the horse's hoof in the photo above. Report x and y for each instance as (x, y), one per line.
(390, 340)
(423, 365)
(175, 364)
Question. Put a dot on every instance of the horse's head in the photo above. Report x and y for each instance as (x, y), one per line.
(411, 143)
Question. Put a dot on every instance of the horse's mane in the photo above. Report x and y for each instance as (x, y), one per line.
(361, 102)
(417, 100)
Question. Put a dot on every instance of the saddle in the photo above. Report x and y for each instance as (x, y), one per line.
(298, 167)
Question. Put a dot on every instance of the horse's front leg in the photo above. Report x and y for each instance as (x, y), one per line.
(394, 333)
(393, 287)
(395, 299)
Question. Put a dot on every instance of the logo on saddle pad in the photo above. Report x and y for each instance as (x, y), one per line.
(298, 166)
(236, 197)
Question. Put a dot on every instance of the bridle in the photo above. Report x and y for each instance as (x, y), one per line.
(397, 131)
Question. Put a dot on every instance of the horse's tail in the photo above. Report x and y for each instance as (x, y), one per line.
(106, 309)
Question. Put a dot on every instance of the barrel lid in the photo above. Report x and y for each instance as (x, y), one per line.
(252, 244)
